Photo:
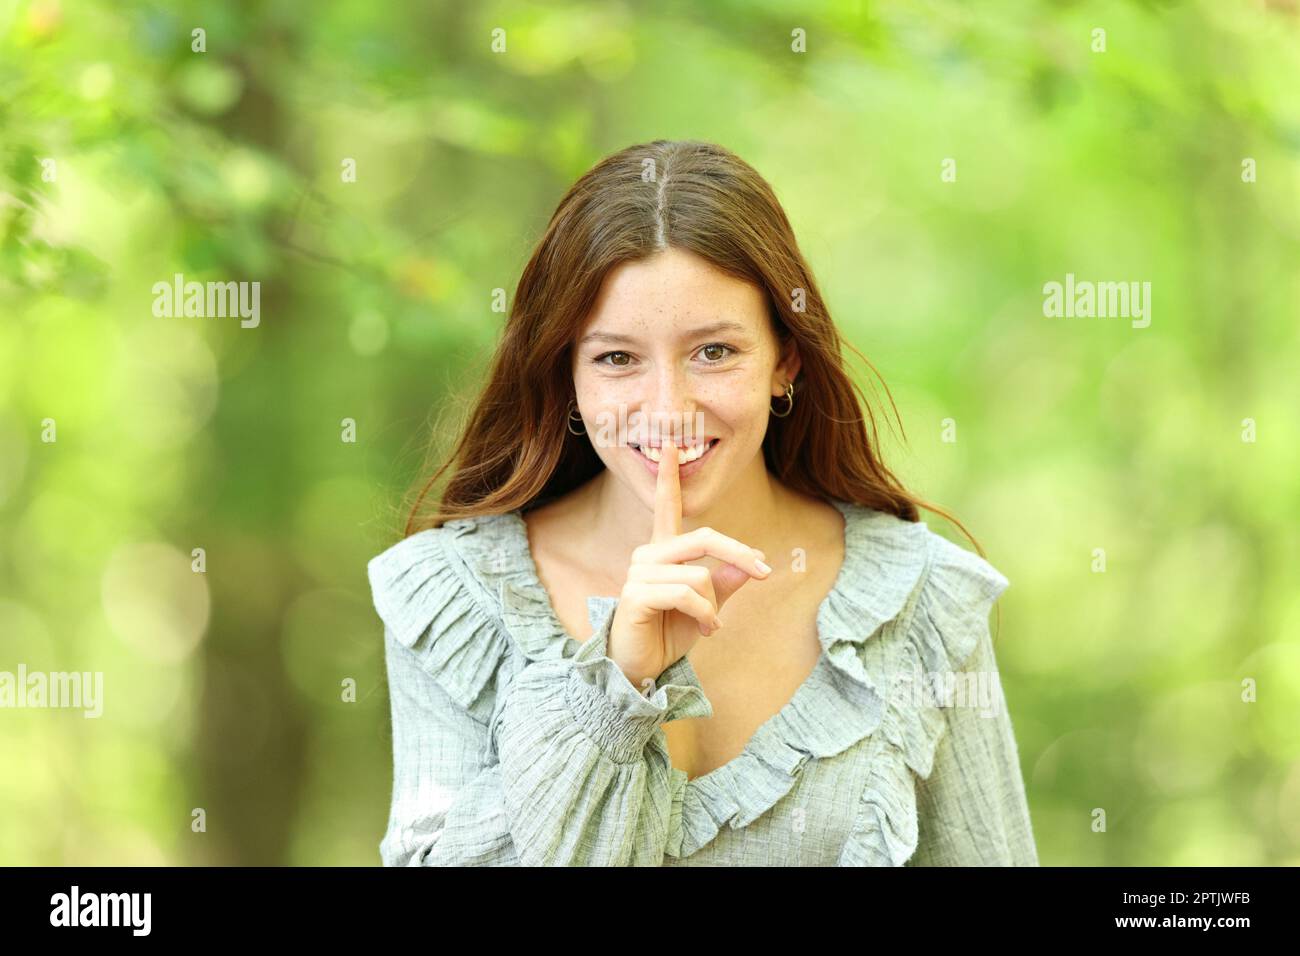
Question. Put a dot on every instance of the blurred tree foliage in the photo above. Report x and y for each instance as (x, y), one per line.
(128, 156)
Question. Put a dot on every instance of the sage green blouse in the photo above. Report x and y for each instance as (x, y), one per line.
(516, 744)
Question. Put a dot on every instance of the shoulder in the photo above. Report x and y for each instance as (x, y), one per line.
(414, 574)
(947, 621)
(936, 593)
(959, 577)
(435, 594)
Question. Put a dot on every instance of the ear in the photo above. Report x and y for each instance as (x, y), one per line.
(787, 368)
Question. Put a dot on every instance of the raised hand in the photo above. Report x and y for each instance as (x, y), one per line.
(666, 605)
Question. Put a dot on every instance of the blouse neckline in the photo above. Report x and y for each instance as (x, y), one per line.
(836, 706)
(598, 604)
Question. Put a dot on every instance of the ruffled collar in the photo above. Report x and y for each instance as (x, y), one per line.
(839, 704)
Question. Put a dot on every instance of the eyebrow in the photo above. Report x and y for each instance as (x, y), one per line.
(615, 339)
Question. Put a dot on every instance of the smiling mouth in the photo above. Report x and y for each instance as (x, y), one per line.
(684, 455)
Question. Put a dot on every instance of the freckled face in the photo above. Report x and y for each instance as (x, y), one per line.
(677, 340)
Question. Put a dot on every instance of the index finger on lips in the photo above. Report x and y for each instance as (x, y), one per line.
(668, 495)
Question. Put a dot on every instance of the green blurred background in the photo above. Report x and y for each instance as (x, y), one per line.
(223, 690)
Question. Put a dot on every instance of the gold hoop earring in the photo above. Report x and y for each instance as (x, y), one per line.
(789, 397)
(573, 407)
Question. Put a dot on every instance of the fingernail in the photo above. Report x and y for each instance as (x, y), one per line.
(717, 623)
(763, 567)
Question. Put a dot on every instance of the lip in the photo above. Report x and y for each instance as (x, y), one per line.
(683, 471)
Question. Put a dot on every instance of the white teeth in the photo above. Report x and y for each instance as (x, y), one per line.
(684, 455)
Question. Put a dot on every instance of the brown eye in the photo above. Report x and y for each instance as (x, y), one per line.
(725, 349)
(600, 359)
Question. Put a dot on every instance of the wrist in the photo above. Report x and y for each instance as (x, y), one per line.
(644, 682)
(637, 674)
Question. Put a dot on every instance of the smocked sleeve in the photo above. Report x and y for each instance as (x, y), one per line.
(971, 807)
(552, 767)
(582, 785)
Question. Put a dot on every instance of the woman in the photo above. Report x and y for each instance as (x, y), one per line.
(669, 458)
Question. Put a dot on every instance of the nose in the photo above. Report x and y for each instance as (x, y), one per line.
(669, 407)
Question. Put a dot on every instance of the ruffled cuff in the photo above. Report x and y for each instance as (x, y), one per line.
(613, 712)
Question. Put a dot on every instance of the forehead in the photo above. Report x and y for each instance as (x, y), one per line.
(677, 291)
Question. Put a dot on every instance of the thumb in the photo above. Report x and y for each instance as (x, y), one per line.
(727, 580)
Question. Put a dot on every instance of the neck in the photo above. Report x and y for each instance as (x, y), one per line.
(752, 509)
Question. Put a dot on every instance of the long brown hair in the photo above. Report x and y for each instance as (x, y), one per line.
(515, 448)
